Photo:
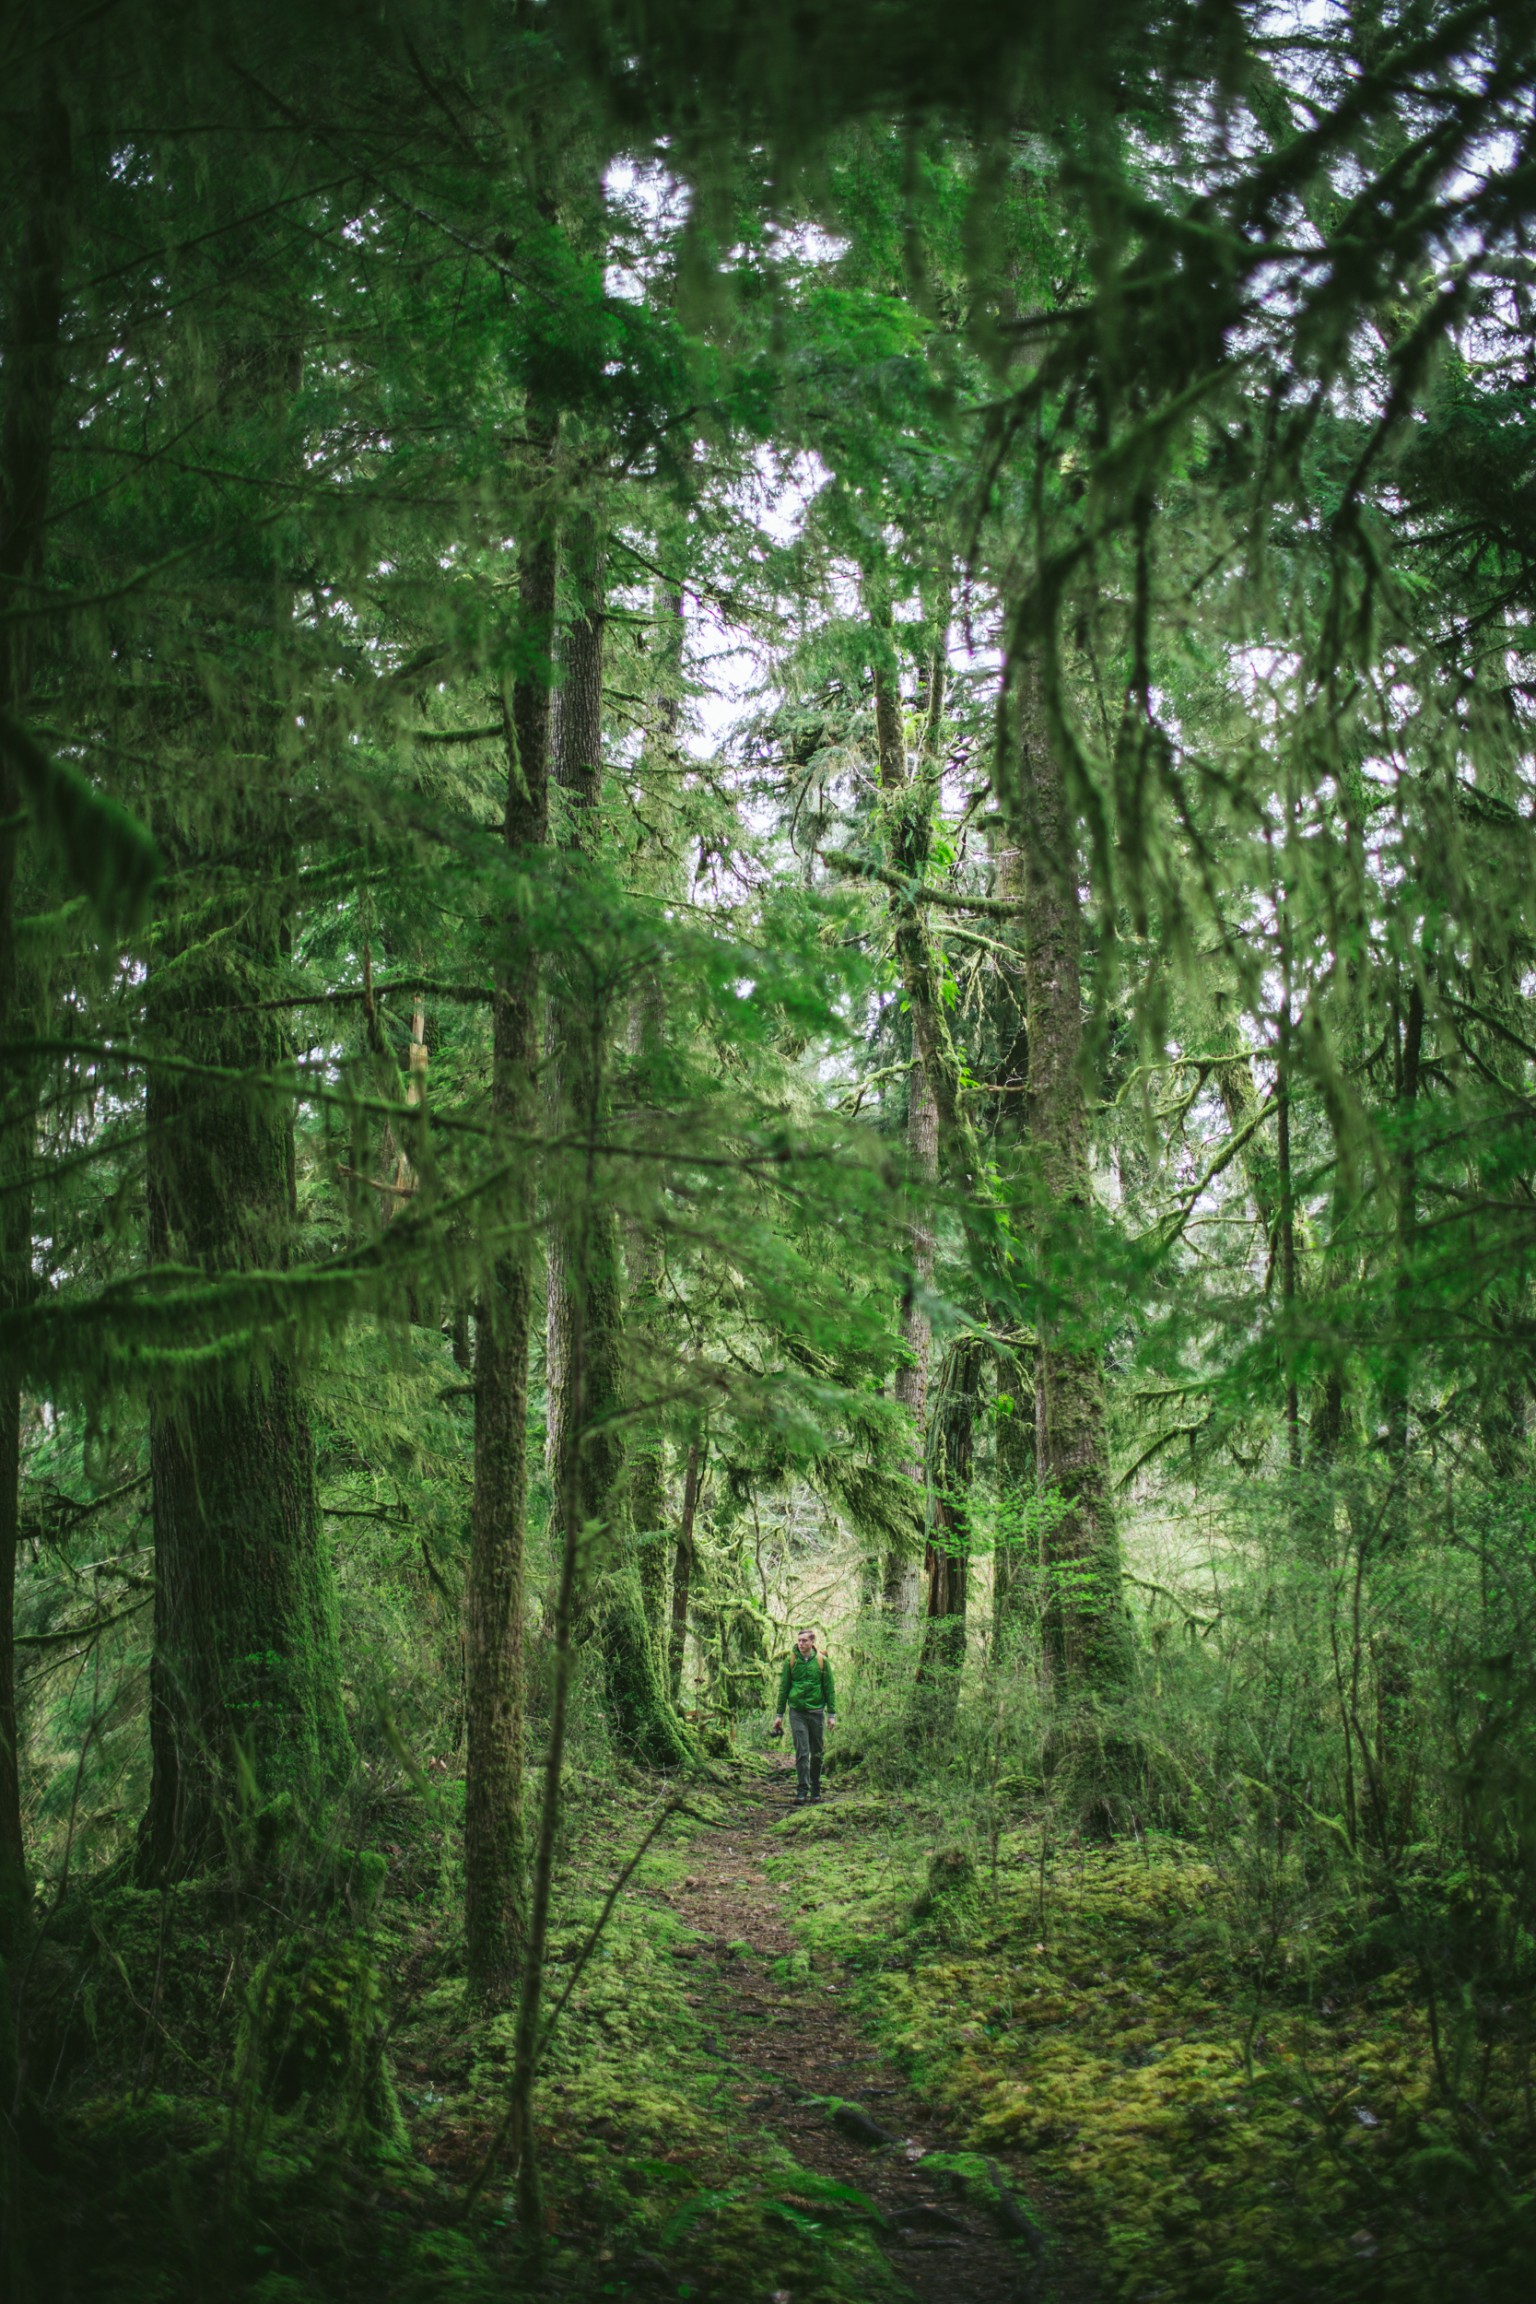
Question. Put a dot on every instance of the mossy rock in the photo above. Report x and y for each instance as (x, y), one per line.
(951, 1883)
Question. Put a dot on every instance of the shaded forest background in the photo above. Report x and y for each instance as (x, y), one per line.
(766, 854)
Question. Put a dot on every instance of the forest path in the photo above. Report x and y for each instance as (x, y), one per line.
(791, 2044)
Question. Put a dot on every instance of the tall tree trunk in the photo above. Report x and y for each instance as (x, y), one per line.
(1015, 1578)
(495, 1696)
(936, 1114)
(1086, 1628)
(245, 1686)
(910, 803)
(1287, 1236)
(1014, 1571)
(648, 1454)
(586, 1278)
(947, 1566)
(31, 379)
(246, 1722)
(901, 1579)
(1408, 1052)
(648, 1460)
(682, 1570)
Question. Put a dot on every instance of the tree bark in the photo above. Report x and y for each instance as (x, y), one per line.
(247, 1734)
(1408, 1066)
(909, 806)
(1085, 1625)
(902, 1585)
(1013, 1569)
(31, 378)
(648, 1455)
(586, 1276)
(1287, 1240)
(682, 1571)
(947, 1564)
(1015, 1580)
(246, 1723)
(648, 1462)
(935, 1111)
(495, 1692)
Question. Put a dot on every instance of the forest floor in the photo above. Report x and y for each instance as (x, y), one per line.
(861, 2052)
(953, 2226)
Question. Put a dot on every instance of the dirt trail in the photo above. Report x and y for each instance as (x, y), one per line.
(792, 2043)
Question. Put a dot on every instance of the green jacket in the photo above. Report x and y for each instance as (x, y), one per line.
(805, 1684)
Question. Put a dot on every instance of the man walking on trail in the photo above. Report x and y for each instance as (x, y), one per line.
(806, 1691)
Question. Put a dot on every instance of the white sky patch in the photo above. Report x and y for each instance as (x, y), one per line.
(648, 208)
(774, 500)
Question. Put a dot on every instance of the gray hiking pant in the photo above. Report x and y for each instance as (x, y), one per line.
(809, 1732)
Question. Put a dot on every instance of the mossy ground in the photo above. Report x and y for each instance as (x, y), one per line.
(153, 2171)
(1218, 2099)
(1219, 2112)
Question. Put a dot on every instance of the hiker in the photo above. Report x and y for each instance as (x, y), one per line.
(806, 1692)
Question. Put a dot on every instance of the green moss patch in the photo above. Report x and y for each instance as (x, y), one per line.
(1214, 2122)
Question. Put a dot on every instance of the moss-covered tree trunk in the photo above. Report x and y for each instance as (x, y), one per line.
(936, 1115)
(30, 382)
(586, 1303)
(1015, 1572)
(246, 1720)
(1085, 1624)
(1015, 1576)
(495, 1697)
(647, 1265)
(909, 802)
(31, 391)
(648, 1456)
(947, 1564)
(247, 1733)
(901, 1575)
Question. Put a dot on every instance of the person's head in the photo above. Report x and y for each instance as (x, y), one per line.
(806, 1643)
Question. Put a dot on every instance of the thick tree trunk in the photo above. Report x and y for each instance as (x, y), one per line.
(31, 386)
(586, 1276)
(495, 1696)
(31, 383)
(1085, 1624)
(245, 1687)
(247, 1734)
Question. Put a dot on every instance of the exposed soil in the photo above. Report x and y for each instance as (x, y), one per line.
(794, 2047)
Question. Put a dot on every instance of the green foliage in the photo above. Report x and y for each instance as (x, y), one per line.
(938, 384)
